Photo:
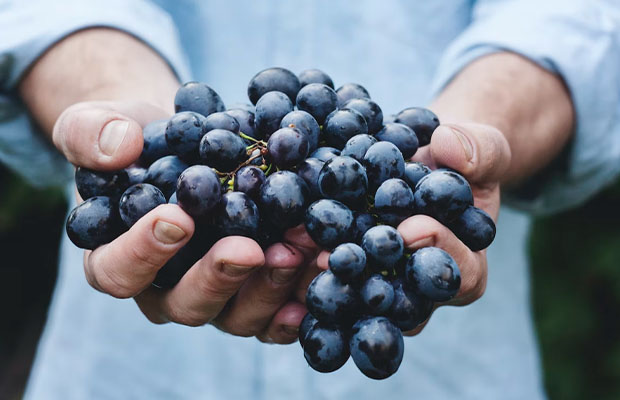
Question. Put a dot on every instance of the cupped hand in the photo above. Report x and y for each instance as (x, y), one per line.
(235, 286)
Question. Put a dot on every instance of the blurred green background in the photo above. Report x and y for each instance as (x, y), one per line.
(575, 273)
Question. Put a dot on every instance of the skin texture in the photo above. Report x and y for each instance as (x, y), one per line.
(493, 132)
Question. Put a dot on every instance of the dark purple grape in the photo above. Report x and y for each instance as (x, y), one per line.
(343, 179)
(249, 181)
(342, 125)
(331, 301)
(383, 161)
(245, 119)
(222, 150)
(421, 120)
(394, 201)
(414, 171)
(317, 99)
(135, 174)
(221, 120)
(309, 170)
(268, 233)
(137, 201)
(408, 309)
(198, 97)
(376, 347)
(400, 135)
(443, 195)
(237, 215)
(377, 294)
(357, 146)
(350, 91)
(326, 348)
(433, 273)
(370, 111)
(91, 183)
(329, 223)
(347, 261)
(183, 134)
(475, 228)
(306, 324)
(93, 223)
(155, 146)
(315, 76)
(270, 109)
(273, 79)
(362, 222)
(198, 191)
(306, 124)
(164, 174)
(287, 147)
(325, 153)
(283, 199)
(383, 246)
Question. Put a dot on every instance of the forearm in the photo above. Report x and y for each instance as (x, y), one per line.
(530, 105)
(96, 64)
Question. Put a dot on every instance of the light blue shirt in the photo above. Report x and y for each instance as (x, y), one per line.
(97, 347)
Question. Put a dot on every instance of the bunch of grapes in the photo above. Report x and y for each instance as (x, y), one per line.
(302, 153)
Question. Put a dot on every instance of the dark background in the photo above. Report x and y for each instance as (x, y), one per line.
(575, 273)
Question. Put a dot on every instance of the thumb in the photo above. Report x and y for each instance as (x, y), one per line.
(103, 135)
(480, 152)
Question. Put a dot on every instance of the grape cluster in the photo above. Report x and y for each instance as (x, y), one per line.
(302, 153)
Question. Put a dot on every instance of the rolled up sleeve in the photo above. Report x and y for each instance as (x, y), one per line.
(29, 29)
(580, 41)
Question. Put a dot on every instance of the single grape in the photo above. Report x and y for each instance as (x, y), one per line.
(394, 201)
(287, 147)
(475, 228)
(93, 223)
(270, 110)
(306, 324)
(283, 199)
(362, 222)
(377, 294)
(315, 76)
(443, 195)
(326, 349)
(221, 120)
(249, 181)
(357, 146)
(325, 153)
(331, 301)
(383, 246)
(329, 223)
(400, 135)
(273, 79)
(223, 150)
(198, 191)
(198, 97)
(343, 179)
(350, 91)
(135, 174)
(155, 146)
(318, 100)
(91, 183)
(376, 347)
(370, 111)
(237, 215)
(245, 119)
(183, 133)
(414, 171)
(137, 201)
(433, 273)
(421, 120)
(347, 261)
(342, 125)
(164, 173)
(309, 170)
(305, 123)
(409, 309)
(383, 161)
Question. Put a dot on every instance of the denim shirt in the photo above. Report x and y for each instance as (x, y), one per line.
(403, 52)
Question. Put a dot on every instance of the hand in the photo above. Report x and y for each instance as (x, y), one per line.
(237, 291)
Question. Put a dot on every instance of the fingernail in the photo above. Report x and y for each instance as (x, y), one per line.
(426, 242)
(467, 147)
(168, 233)
(112, 136)
(235, 270)
(291, 330)
(282, 275)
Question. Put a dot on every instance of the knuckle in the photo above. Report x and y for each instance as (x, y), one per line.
(185, 317)
(148, 258)
(114, 284)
